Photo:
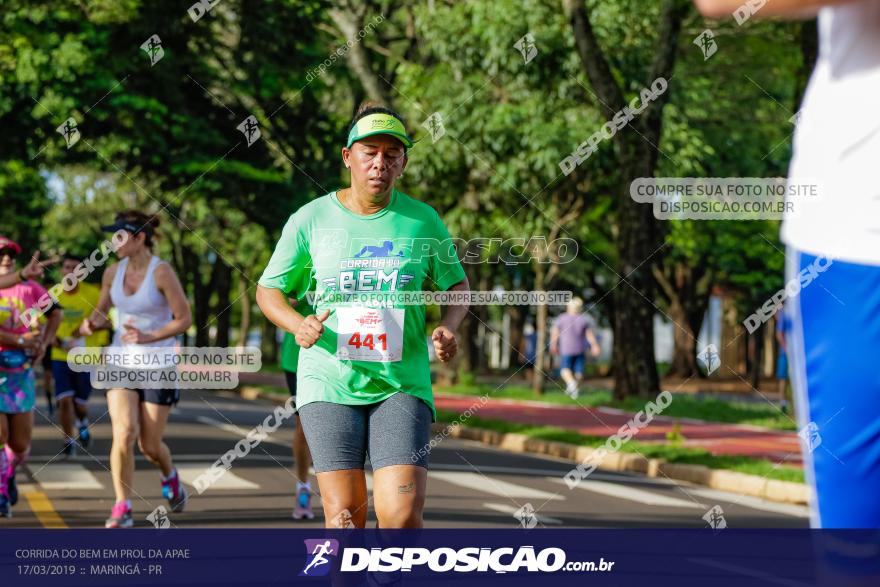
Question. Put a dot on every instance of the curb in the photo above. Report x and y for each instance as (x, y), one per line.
(721, 479)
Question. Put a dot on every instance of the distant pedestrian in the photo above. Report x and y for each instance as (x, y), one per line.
(571, 337)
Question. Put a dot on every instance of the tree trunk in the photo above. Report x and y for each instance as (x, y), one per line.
(517, 322)
(684, 339)
(181, 270)
(350, 21)
(756, 343)
(687, 294)
(245, 324)
(635, 370)
(222, 309)
(201, 295)
(541, 330)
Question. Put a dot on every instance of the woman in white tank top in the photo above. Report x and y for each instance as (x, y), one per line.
(153, 310)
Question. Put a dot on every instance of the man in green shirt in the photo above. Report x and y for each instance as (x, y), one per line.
(364, 382)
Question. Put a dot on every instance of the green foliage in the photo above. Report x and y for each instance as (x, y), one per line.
(24, 202)
(164, 137)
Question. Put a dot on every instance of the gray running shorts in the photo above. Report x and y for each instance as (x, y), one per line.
(392, 432)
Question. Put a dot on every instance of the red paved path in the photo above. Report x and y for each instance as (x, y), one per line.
(718, 439)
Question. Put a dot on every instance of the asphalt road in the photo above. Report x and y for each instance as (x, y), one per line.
(470, 485)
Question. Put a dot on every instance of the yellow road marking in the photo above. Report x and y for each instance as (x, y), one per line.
(42, 507)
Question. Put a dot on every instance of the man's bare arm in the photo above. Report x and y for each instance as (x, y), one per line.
(795, 9)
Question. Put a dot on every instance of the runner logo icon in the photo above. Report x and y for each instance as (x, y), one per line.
(319, 553)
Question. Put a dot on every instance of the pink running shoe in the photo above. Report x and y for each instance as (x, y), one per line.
(120, 516)
(174, 492)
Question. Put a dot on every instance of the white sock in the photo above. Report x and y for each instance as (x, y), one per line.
(307, 485)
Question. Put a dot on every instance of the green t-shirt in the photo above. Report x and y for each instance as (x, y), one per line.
(289, 348)
(289, 353)
(368, 351)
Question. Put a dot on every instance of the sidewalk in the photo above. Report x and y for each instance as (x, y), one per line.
(717, 438)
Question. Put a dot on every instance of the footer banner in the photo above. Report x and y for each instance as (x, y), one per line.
(680, 558)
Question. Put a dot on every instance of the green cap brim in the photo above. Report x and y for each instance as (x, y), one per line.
(379, 124)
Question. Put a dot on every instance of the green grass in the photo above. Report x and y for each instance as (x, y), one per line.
(682, 406)
(673, 454)
(272, 389)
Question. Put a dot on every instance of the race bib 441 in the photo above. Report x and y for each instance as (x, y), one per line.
(370, 334)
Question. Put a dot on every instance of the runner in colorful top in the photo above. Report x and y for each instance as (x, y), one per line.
(363, 379)
(21, 347)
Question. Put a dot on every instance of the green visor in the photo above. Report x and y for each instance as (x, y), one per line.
(379, 124)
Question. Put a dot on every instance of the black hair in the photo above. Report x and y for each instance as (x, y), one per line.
(147, 223)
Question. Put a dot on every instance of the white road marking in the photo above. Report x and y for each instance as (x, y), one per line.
(197, 458)
(509, 509)
(633, 494)
(536, 472)
(229, 480)
(755, 503)
(493, 486)
(236, 430)
(66, 476)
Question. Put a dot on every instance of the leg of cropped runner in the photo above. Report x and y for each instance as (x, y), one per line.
(21, 427)
(123, 407)
(302, 458)
(18, 447)
(833, 347)
(66, 417)
(153, 419)
(4, 466)
(301, 453)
